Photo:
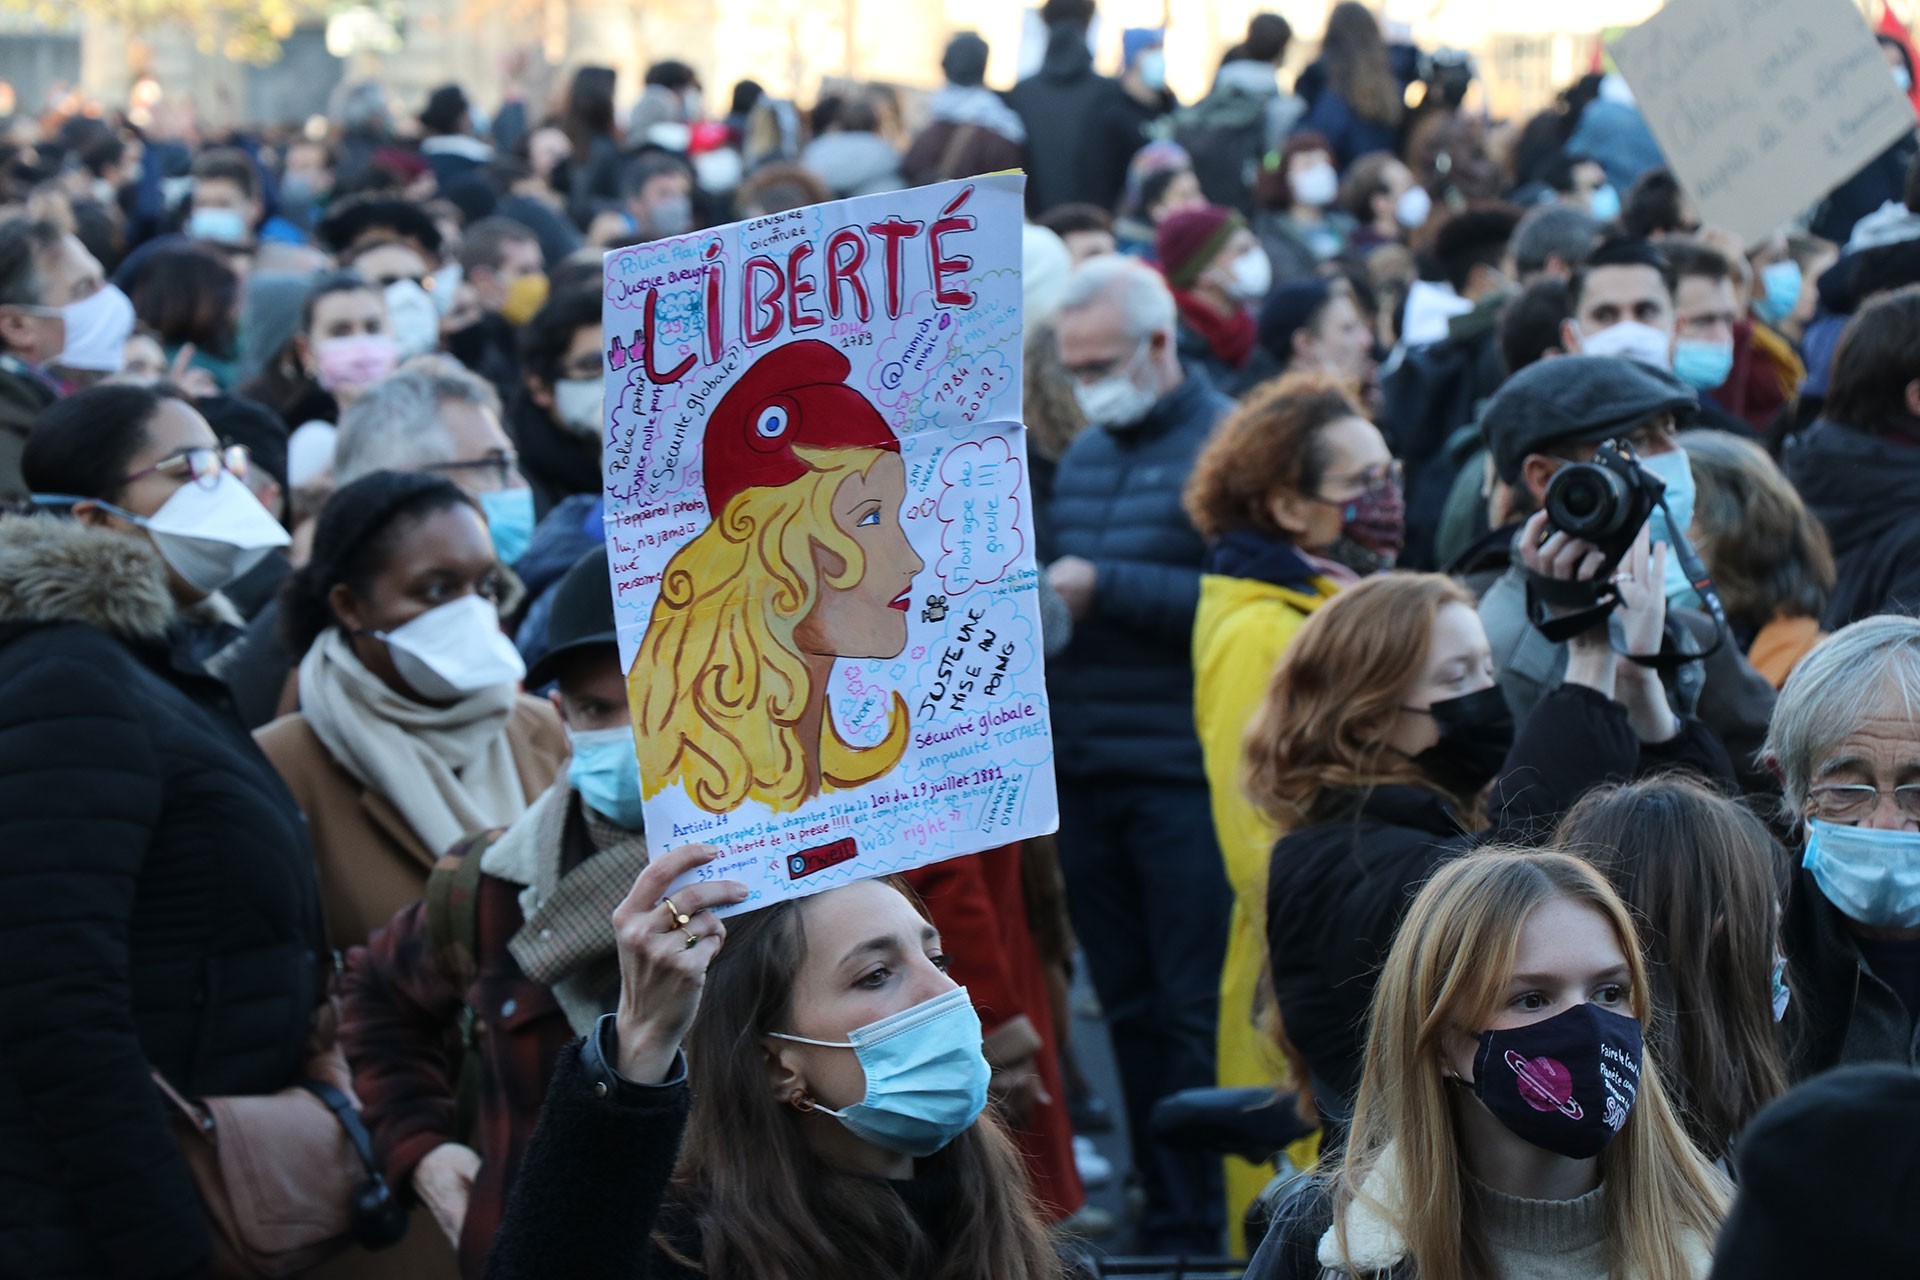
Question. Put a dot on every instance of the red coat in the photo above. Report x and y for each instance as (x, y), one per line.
(980, 908)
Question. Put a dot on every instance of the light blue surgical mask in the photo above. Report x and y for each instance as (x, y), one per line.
(606, 773)
(1702, 365)
(1677, 474)
(1872, 875)
(1604, 203)
(1780, 291)
(926, 1075)
(509, 515)
(222, 226)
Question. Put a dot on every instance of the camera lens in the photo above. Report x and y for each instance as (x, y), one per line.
(1586, 501)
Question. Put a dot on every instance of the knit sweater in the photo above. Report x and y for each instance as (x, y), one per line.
(1544, 1239)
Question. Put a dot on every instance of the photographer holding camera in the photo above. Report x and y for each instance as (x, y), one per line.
(1563, 412)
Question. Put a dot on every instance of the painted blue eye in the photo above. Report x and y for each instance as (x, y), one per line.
(772, 422)
(871, 518)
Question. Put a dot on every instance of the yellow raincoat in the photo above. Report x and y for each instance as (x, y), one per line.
(1242, 628)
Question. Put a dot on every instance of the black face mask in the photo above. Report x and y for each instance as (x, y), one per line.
(1476, 732)
(1565, 1084)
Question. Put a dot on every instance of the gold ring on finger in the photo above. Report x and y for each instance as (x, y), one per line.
(680, 918)
(693, 939)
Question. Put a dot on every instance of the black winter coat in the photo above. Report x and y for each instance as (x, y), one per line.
(159, 906)
(1338, 888)
(1064, 105)
(557, 463)
(1123, 689)
(593, 1188)
(1839, 1013)
(1866, 491)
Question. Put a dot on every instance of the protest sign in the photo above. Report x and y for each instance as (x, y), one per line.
(1762, 106)
(820, 532)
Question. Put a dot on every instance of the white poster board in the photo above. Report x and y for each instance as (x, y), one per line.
(820, 532)
(1762, 106)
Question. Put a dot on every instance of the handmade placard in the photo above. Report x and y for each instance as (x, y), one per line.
(820, 532)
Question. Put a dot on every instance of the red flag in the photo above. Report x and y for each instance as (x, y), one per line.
(1896, 30)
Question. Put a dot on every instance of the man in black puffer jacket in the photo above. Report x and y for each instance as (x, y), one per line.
(1858, 467)
(1145, 883)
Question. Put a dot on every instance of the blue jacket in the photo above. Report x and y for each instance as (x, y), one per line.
(1123, 689)
(1349, 133)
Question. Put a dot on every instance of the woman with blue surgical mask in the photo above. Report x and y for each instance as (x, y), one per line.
(826, 1118)
(412, 732)
(1845, 744)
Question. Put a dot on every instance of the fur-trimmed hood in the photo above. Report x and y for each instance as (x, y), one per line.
(54, 569)
(1378, 1247)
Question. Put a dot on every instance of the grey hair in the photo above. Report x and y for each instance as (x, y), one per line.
(395, 425)
(1869, 667)
(1143, 296)
(1554, 231)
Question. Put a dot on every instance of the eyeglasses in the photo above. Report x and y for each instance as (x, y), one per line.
(1850, 801)
(1368, 481)
(202, 466)
(502, 463)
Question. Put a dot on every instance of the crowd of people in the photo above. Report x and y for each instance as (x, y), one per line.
(1482, 646)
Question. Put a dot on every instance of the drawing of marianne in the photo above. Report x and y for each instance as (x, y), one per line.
(805, 561)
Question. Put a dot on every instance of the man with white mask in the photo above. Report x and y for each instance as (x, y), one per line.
(1145, 883)
(1623, 305)
(56, 311)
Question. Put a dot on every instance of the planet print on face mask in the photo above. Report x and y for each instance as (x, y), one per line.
(1564, 1084)
(1545, 1085)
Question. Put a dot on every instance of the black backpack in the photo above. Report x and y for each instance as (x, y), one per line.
(1226, 134)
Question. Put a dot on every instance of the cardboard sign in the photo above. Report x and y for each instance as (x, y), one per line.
(1762, 106)
(820, 532)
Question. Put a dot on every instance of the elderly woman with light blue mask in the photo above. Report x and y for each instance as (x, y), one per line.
(1845, 744)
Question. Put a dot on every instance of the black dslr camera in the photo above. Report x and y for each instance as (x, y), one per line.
(1606, 502)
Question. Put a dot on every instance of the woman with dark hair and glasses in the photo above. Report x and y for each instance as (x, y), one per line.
(160, 907)
(412, 732)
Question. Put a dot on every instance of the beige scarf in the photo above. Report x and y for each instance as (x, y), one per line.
(448, 770)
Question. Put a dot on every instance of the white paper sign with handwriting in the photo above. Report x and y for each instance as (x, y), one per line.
(1762, 106)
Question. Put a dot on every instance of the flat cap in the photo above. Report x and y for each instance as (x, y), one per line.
(1576, 400)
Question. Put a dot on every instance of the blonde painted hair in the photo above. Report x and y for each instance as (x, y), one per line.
(720, 688)
(1446, 976)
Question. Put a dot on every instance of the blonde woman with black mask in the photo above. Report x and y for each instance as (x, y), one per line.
(1509, 1124)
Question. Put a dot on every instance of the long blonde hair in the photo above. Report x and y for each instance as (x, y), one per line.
(720, 688)
(1447, 974)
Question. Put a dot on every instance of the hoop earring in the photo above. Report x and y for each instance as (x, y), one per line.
(800, 1100)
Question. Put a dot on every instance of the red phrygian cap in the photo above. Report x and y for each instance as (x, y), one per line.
(796, 394)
